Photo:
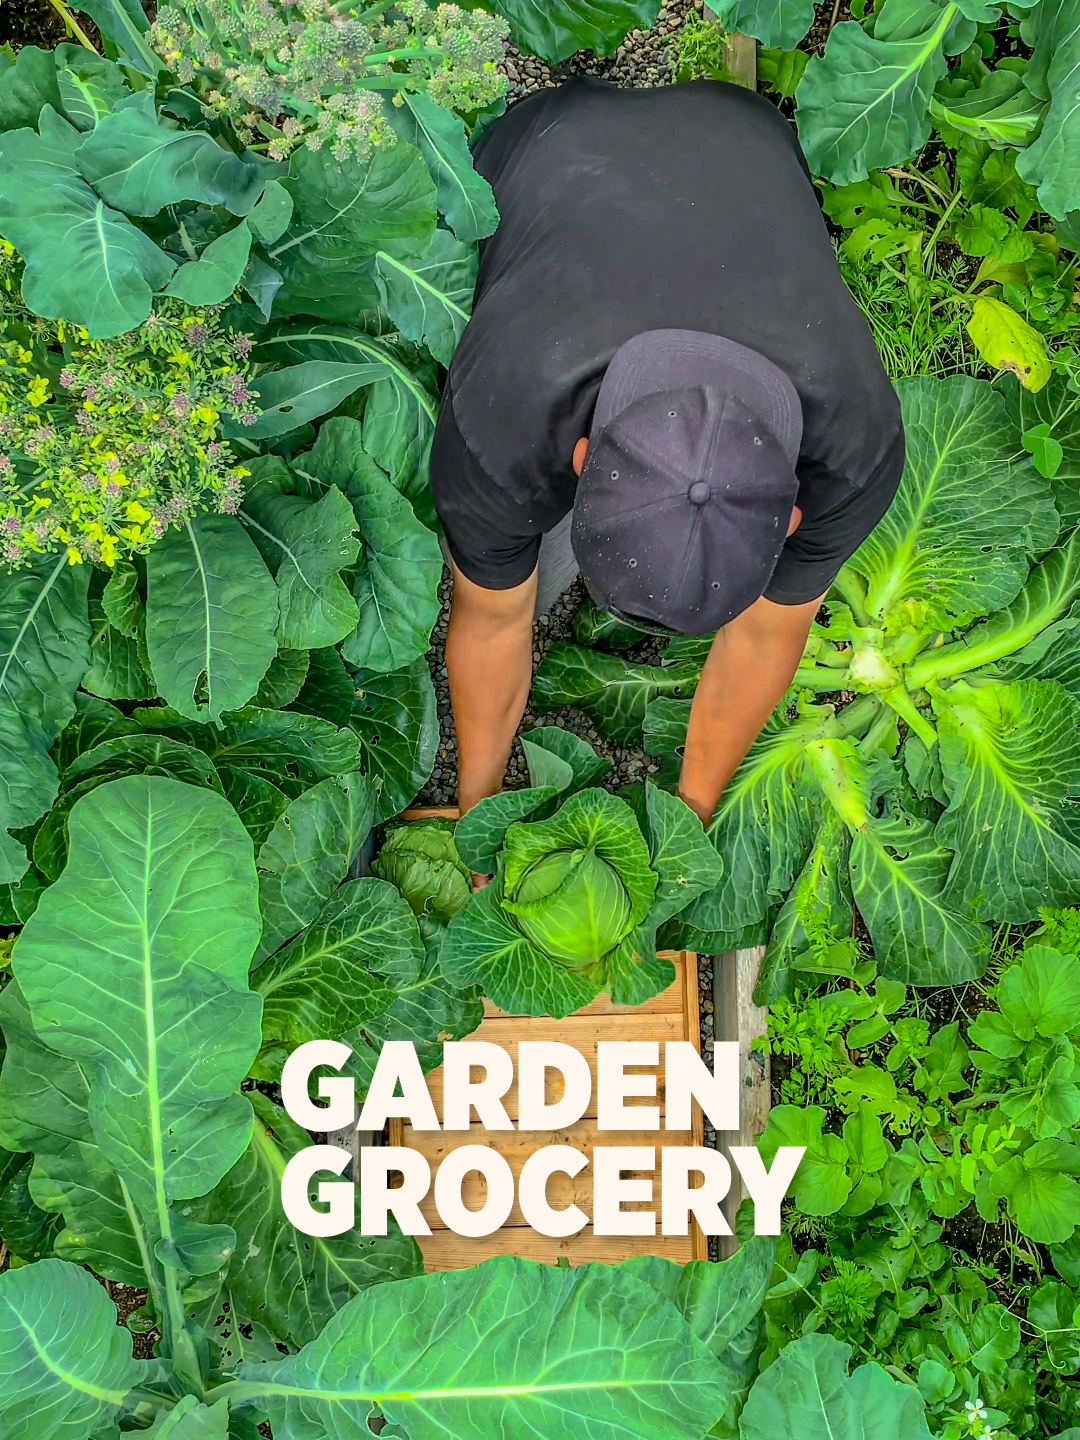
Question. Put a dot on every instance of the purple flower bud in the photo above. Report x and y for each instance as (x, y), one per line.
(67, 377)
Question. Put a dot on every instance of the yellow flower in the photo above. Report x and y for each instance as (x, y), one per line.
(240, 472)
(179, 357)
(108, 550)
(134, 511)
(74, 558)
(206, 415)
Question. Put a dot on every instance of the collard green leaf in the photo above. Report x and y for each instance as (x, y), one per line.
(135, 965)
(84, 261)
(464, 197)
(115, 672)
(258, 802)
(65, 1364)
(291, 397)
(211, 616)
(482, 947)
(314, 541)
(324, 982)
(900, 883)
(399, 421)
(863, 104)
(94, 720)
(346, 210)
(429, 298)
(274, 209)
(392, 717)
(613, 692)
(89, 85)
(28, 1230)
(807, 1393)
(26, 86)
(557, 31)
(139, 166)
(948, 551)
(778, 24)
(400, 566)
(605, 1356)
(1051, 162)
(191, 1420)
(1010, 756)
(44, 651)
(284, 680)
(549, 747)
(308, 853)
(212, 278)
(292, 1283)
(480, 834)
(1000, 110)
(124, 23)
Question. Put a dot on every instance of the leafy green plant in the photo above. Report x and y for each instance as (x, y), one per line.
(314, 73)
(580, 889)
(943, 628)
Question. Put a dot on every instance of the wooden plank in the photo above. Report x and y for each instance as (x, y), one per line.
(736, 1017)
(444, 1250)
(741, 59)
(582, 1032)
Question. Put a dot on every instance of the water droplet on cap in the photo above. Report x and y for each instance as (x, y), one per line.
(672, 414)
(614, 474)
(757, 439)
(632, 563)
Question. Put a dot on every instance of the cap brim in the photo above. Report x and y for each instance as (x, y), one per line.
(657, 361)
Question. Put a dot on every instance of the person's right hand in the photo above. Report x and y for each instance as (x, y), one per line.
(479, 881)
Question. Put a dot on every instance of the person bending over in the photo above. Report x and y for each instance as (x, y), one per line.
(665, 385)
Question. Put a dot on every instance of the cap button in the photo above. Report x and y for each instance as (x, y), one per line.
(699, 492)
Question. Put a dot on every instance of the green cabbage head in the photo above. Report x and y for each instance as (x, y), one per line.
(576, 885)
(421, 859)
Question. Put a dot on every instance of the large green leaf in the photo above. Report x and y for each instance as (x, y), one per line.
(482, 947)
(1010, 757)
(135, 965)
(1051, 162)
(555, 31)
(308, 853)
(346, 210)
(289, 1282)
(26, 86)
(211, 616)
(28, 1230)
(85, 262)
(399, 421)
(116, 672)
(778, 24)
(611, 690)
(900, 882)
(290, 750)
(480, 834)
(764, 826)
(310, 542)
(139, 166)
(65, 1364)
(392, 717)
(429, 298)
(463, 196)
(599, 1355)
(685, 861)
(819, 902)
(89, 85)
(397, 577)
(291, 397)
(948, 550)
(44, 652)
(807, 1394)
(124, 22)
(211, 279)
(326, 981)
(864, 103)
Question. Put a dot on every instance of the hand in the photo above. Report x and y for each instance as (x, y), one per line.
(479, 881)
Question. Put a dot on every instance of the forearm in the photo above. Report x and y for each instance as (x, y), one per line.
(489, 668)
(750, 666)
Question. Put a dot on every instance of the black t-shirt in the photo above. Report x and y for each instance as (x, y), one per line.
(684, 207)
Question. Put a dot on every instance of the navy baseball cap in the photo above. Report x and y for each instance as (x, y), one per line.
(686, 493)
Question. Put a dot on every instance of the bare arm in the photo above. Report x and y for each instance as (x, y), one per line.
(750, 665)
(489, 667)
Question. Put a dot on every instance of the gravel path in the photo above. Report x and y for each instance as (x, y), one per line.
(643, 59)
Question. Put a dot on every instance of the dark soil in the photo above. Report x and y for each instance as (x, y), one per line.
(30, 22)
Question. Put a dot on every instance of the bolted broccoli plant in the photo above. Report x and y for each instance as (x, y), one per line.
(581, 885)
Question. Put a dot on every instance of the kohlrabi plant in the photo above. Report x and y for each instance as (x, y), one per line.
(926, 765)
(579, 889)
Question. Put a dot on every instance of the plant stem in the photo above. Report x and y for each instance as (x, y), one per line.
(387, 57)
(72, 25)
(928, 248)
(853, 588)
(854, 717)
(900, 701)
